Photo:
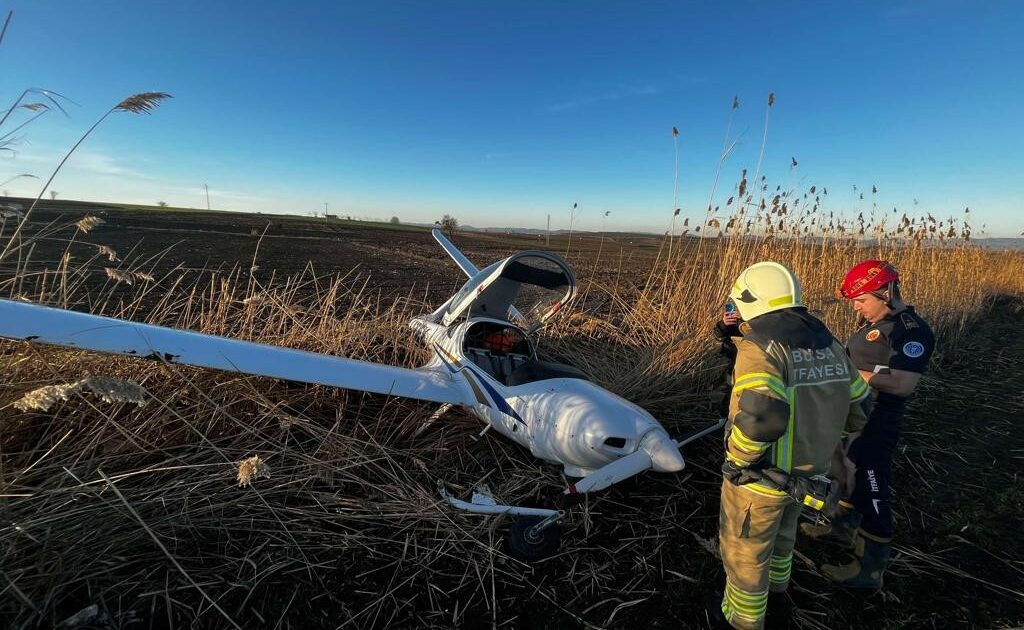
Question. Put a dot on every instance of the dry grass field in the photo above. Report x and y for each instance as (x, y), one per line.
(136, 516)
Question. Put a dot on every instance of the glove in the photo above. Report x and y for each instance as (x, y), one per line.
(741, 475)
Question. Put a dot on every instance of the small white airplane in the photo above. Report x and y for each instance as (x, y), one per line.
(485, 359)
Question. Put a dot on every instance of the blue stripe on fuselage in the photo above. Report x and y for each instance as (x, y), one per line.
(499, 400)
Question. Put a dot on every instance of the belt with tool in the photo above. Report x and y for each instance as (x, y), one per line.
(818, 492)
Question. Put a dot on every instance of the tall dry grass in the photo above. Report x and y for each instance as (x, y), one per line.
(653, 345)
(138, 511)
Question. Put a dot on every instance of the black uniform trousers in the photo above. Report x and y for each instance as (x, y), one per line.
(873, 453)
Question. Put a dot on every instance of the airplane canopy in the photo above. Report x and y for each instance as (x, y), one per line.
(527, 288)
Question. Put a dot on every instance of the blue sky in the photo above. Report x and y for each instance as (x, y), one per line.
(503, 113)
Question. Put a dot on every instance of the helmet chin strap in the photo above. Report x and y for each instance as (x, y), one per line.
(891, 297)
(895, 301)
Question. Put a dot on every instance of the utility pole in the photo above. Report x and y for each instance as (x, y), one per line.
(207, 189)
(547, 237)
(325, 209)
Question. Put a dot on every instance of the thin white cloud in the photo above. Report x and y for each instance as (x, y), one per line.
(105, 165)
(85, 161)
(584, 101)
(99, 174)
(230, 195)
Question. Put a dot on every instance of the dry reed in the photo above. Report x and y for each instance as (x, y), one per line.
(350, 521)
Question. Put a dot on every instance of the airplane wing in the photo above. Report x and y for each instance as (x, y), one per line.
(453, 251)
(42, 324)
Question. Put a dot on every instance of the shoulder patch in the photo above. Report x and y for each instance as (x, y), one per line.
(908, 321)
(873, 335)
(913, 349)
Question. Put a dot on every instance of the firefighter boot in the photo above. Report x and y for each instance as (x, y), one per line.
(780, 611)
(841, 530)
(867, 567)
(713, 611)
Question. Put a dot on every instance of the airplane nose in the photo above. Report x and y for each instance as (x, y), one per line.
(664, 454)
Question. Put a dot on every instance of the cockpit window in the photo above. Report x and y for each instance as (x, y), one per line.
(525, 289)
(544, 287)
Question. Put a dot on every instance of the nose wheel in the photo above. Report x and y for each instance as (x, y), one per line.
(533, 538)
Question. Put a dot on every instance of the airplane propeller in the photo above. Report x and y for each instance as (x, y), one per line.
(656, 450)
(610, 474)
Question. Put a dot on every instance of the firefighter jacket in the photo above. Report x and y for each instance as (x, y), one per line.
(795, 393)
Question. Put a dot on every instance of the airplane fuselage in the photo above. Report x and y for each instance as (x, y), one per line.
(566, 420)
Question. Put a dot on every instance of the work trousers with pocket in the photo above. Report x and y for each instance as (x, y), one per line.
(873, 453)
(757, 530)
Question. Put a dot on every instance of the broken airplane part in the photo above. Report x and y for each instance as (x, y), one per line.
(485, 359)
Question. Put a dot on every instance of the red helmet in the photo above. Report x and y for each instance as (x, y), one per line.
(869, 276)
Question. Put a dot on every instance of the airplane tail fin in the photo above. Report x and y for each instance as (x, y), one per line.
(453, 251)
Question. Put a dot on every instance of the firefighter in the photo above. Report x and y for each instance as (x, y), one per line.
(891, 350)
(794, 393)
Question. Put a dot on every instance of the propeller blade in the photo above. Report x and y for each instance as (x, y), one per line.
(612, 473)
(699, 433)
(657, 451)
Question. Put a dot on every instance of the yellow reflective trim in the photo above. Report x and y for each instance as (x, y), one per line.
(752, 450)
(765, 490)
(858, 388)
(751, 614)
(762, 376)
(790, 432)
(739, 462)
(745, 608)
(783, 454)
(741, 440)
(774, 385)
(779, 561)
(754, 596)
(744, 601)
(749, 608)
(750, 605)
(785, 299)
(779, 578)
(811, 502)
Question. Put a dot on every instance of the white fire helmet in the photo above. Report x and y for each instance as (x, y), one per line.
(765, 287)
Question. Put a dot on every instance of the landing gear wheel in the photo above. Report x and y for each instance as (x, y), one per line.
(528, 545)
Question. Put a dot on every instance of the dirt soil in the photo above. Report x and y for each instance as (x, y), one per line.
(401, 260)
